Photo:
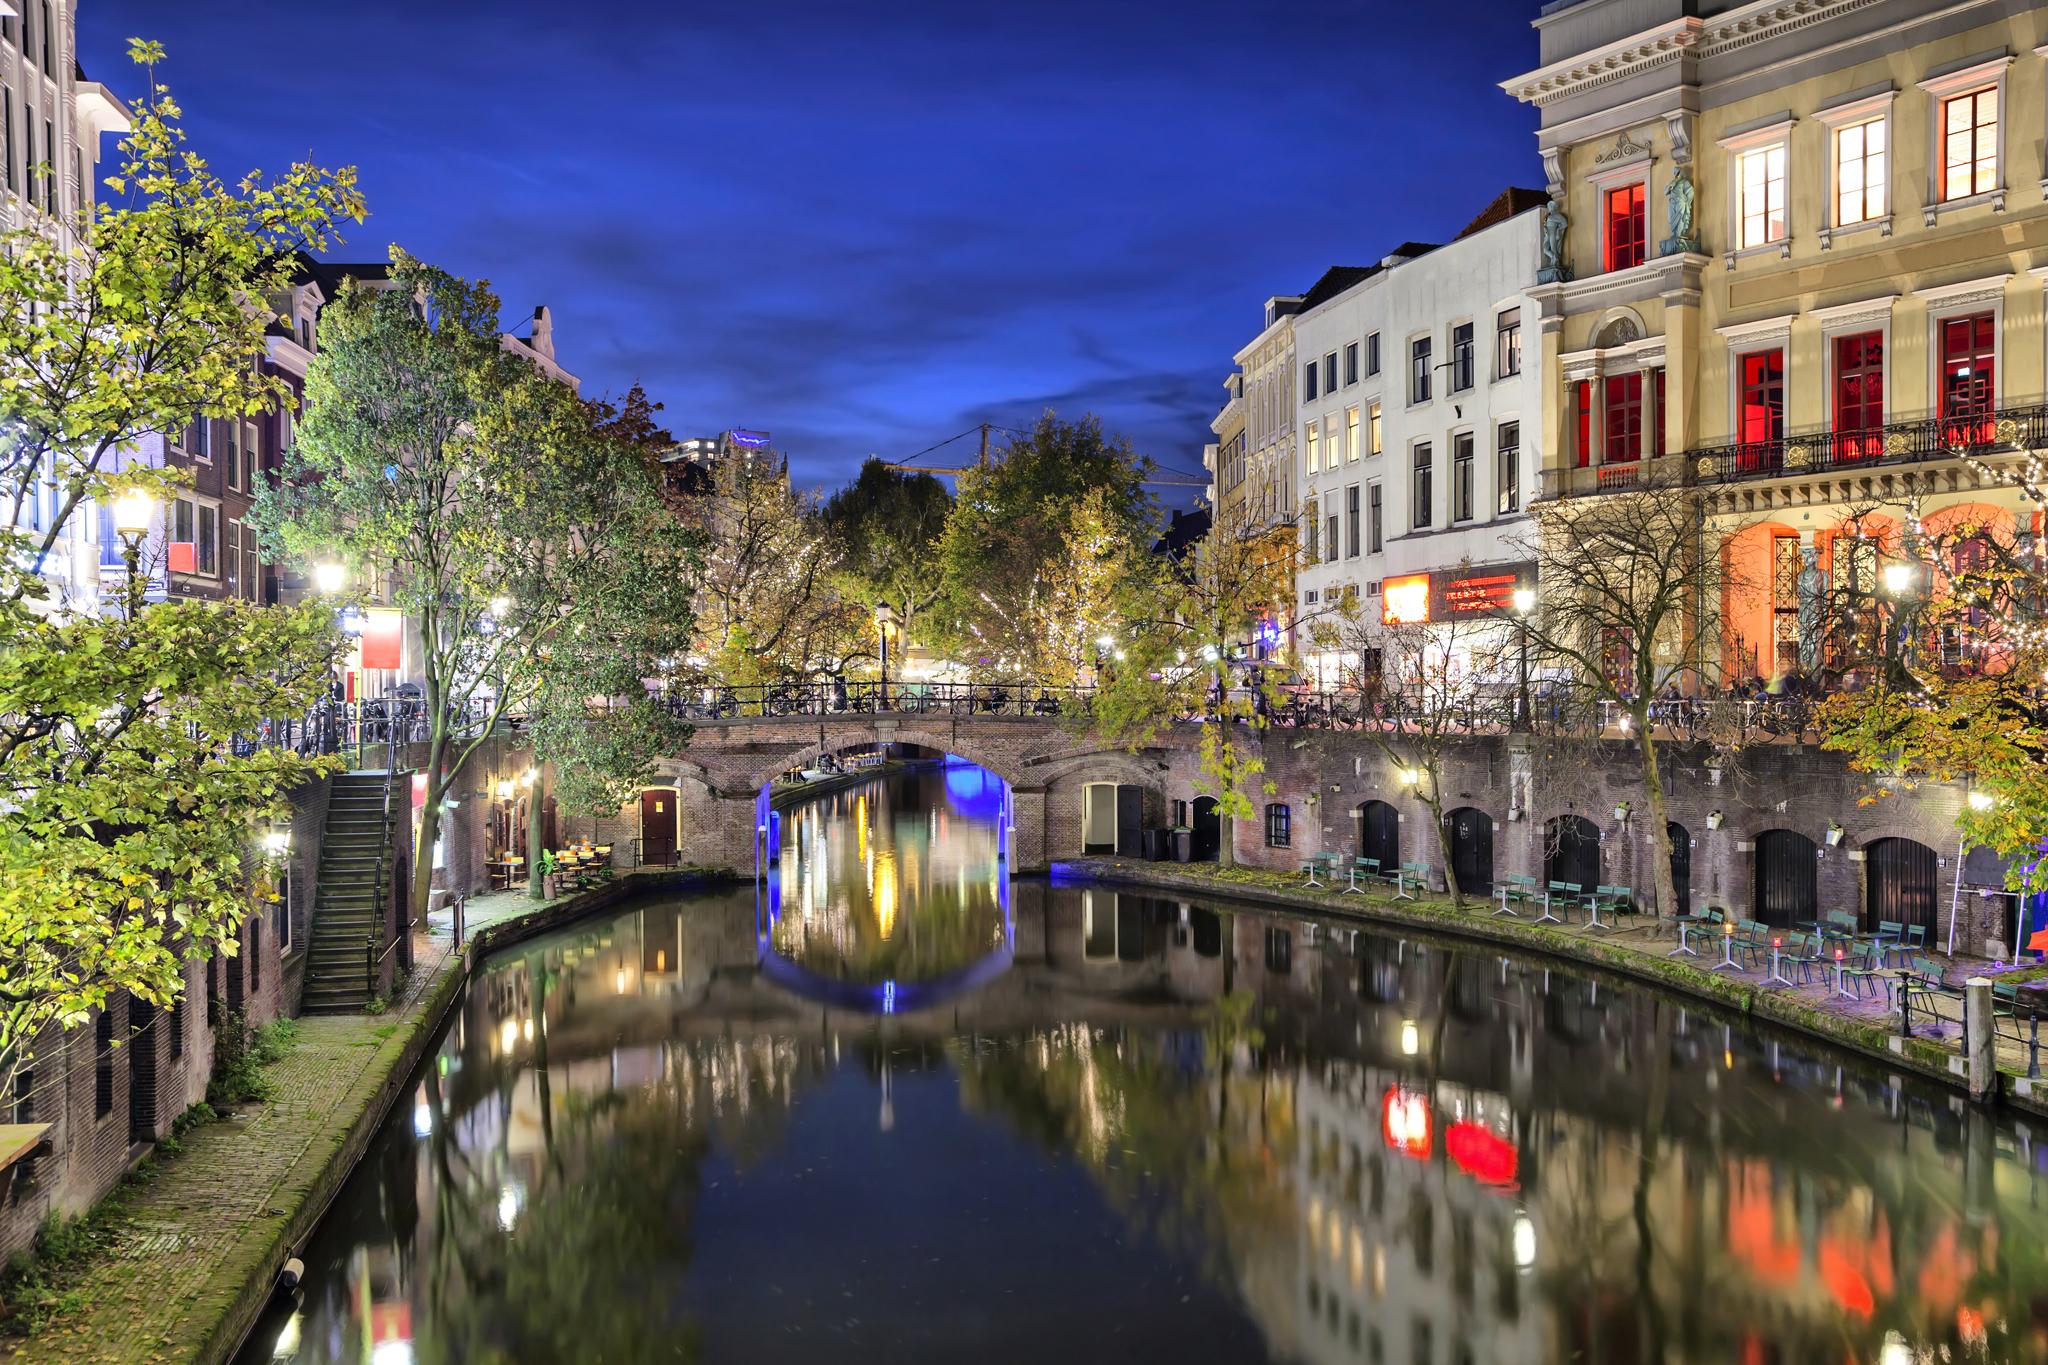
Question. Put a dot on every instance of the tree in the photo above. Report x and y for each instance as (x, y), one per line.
(1430, 679)
(1184, 660)
(1953, 646)
(526, 545)
(885, 529)
(1011, 533)
(128, 811)
(766, 608)
(1626, 581)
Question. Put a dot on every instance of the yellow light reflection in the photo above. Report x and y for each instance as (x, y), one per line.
(882, 887)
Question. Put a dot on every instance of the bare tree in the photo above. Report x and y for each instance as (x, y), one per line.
(1629, 586)
(1431, 682)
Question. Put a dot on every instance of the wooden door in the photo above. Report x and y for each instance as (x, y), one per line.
(657, 825)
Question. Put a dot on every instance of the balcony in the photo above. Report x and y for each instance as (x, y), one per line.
(1819, 452)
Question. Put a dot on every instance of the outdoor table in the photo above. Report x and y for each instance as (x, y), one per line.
(1401, 891)
(1593, 920)
(1351, 880)
(1777, 943)
(1727, 961)
(1503, 891)
(1547, 917)
(1841, 981)
(1685, 925)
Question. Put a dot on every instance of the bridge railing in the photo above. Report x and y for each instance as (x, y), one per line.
(874, 698)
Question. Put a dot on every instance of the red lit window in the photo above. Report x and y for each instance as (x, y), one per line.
(1585, 405)
(1968, 373)
(1859, 395)
(1625, 234)
(1760, 422)
(1623, 427)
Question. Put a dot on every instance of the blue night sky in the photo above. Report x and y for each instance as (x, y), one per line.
(867, 226)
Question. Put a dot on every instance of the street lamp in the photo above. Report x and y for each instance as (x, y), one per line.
(1525, 602)
(329, 578)
(134, 512)
(885, 621)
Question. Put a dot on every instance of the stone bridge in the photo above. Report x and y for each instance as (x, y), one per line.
(1046, 763)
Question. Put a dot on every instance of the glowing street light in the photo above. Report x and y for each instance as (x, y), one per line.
(1898, 578)
(329, 578)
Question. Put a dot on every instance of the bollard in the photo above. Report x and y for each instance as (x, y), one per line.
(1979, 1051)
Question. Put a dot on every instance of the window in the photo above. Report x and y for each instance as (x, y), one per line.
(49, 46)
(1461, 357)
(1969, 365)
(1375, 536)
(195, 528)
(1350, 364)
(1461, 476)
(103, 1062)
(234, 557)
(7, 136)
(50, 171)
(1312, 444)
(1969, 144)
(1373, 430)
(1760, 190)
(1351, 519)
(1622, 427)
(1655, 417)
(1582, 405)
(1507, 466)
(1330, 544)
(1350, 435)
(1760, 416)
(1420, 490)
(1507, 343)
(234, 452)
(1859, 394)
(1308, 381)
(1860, 179)
(198, 440)
(1310, 527)
(1418, 370)
(255, 955)
(1333, 444)
(1330, 373)
(1372, 354)
(1622, 215)
(28, 155)
(1279, 826)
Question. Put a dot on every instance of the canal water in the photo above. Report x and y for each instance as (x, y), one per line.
(895, 1108)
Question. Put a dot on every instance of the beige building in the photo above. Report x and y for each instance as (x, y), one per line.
(1795, 258)
(1224, 458)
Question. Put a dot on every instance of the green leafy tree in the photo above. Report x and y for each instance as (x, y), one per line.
(1009, 537)
(128, 812)
(1185, 659)
(522, 541)
(885, 529)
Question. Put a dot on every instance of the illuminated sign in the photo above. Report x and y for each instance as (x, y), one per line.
(1404, 601)
(1490, 592)
(752, 440)
(1481, 1153)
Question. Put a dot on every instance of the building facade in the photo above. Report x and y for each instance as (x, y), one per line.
(1266, 370)
(52, 121)
(1224, 458)
(1417, 421)
(1795, 259)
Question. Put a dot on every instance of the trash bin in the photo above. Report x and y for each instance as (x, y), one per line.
(1183, 845)
(1155, 845)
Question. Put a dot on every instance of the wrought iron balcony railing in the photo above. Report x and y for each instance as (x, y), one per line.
(1822, 450)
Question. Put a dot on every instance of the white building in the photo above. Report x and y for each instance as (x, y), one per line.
(1270, 465)
(51, 121)
(1417, 424)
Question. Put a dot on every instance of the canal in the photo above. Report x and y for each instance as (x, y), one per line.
(896, 1107)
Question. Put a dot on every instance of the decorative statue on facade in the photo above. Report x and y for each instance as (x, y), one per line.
(1555, 269)
(1678, 202)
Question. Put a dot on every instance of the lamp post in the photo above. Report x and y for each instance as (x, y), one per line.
(1525, 602)
(885, 621)
(329, 578)
(134, 512)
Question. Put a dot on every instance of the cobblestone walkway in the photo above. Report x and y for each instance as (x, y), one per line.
(195, 1232)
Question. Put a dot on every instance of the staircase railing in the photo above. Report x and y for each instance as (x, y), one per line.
(373, 957)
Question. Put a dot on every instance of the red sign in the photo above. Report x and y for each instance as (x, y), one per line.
(383, 639)
(1404, 1122)
(1481, 1153)
(1492, 592)
(182, 556)
(1404, 601)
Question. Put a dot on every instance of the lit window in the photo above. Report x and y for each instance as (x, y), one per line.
(1622, 431)
(1373, 429)
(1760, 176)
(1507, 343)
(1350, 434)
(1313, 446)
(1969, 144)
(1623, 216)
(1404, 601)
(1860, 162)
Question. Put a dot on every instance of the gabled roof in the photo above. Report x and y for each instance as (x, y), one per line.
(1509, 203)
(1335, 281)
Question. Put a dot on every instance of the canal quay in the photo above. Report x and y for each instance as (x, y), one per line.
(891, 1102)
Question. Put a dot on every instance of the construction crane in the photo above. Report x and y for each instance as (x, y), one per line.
(981, 462)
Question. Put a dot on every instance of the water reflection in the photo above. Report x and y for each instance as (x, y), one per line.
(1166, 1132)
(899, 880)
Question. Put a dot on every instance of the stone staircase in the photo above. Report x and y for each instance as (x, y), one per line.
(355, 857)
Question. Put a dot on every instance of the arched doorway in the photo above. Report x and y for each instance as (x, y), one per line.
(1207, 839)
(1376, 831)
(1901, 884)
(1787, 890)
(1571, 851)
(1681, 867)
(1472, 850)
